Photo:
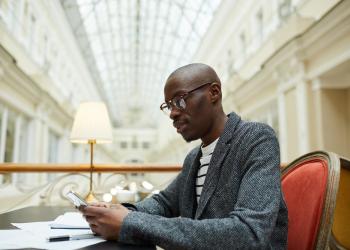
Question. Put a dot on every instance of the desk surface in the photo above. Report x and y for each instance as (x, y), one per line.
(41, 213)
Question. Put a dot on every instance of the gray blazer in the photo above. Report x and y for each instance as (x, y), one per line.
(241, 206)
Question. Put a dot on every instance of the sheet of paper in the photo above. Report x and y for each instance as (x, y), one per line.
(42, 229)
(9, 239)
(70, 220)
(38, 232)
(15, 239)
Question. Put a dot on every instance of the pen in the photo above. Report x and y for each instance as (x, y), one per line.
(70, 237)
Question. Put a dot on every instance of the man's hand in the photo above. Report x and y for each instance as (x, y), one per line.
(100, 204)
(104, 221)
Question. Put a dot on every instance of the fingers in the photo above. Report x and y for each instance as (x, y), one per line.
(92, 223)
(99, 204)
(95, 229)
(93, 211)
(89, 219)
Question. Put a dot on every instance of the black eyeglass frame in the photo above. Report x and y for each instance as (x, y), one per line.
(166, 107)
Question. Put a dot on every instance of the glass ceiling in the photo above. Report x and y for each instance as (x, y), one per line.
(131, 46)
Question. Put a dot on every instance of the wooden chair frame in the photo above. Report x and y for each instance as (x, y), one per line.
(333, 161)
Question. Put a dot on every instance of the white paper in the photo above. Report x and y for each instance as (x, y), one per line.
(70, 220)
(14, 239)
(42, 229)
(37, 233)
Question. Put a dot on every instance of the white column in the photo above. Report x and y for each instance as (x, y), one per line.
(282, 125)
(303, 117)
(42, 148)
(16, 146)
(4, 118)
(17, 136)
(65, 151)
(45, 143)
(34, 139)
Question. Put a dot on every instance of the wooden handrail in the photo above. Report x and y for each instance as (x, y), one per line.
(117, 168)
(73, 168)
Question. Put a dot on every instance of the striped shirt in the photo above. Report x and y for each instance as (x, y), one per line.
(203, 169)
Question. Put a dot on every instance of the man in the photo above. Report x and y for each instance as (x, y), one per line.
(228, 194)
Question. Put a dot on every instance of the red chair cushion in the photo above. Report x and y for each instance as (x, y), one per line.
(304, 189)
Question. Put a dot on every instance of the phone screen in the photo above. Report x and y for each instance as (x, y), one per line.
(75, 199)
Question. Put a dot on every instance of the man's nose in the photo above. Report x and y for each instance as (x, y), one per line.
(174, 112)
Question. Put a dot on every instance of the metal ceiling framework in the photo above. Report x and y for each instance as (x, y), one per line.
(131, 46)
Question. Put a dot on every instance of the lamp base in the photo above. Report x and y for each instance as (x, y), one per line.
(90, 197)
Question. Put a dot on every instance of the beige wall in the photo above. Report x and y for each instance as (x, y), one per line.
(324, 55)
(335, 120)
(257, 103)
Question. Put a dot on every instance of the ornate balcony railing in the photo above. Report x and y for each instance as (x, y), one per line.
(46, 184)
(26, 184)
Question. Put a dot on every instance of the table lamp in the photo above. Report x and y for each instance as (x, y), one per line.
(91, 125)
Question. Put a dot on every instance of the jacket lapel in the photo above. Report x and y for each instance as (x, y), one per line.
(189, 202)
(214, 170)
(212, 178)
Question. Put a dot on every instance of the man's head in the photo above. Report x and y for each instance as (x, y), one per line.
(193, 95)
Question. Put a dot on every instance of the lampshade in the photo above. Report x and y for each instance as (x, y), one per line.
(91, 122)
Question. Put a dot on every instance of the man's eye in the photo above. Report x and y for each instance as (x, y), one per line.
(177, 102)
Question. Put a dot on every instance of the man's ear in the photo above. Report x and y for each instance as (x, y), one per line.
(215, 92)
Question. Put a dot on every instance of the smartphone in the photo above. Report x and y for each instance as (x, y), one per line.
(75, 199)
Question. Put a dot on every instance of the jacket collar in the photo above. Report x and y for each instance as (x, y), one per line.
(214, 170)
(189, 194)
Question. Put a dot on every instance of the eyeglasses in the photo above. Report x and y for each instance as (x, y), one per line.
(179, 101)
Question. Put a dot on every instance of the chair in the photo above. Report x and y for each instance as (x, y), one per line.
(310, 185)
(340, 237)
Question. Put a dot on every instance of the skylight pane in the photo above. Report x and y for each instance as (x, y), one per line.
(135, 44)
